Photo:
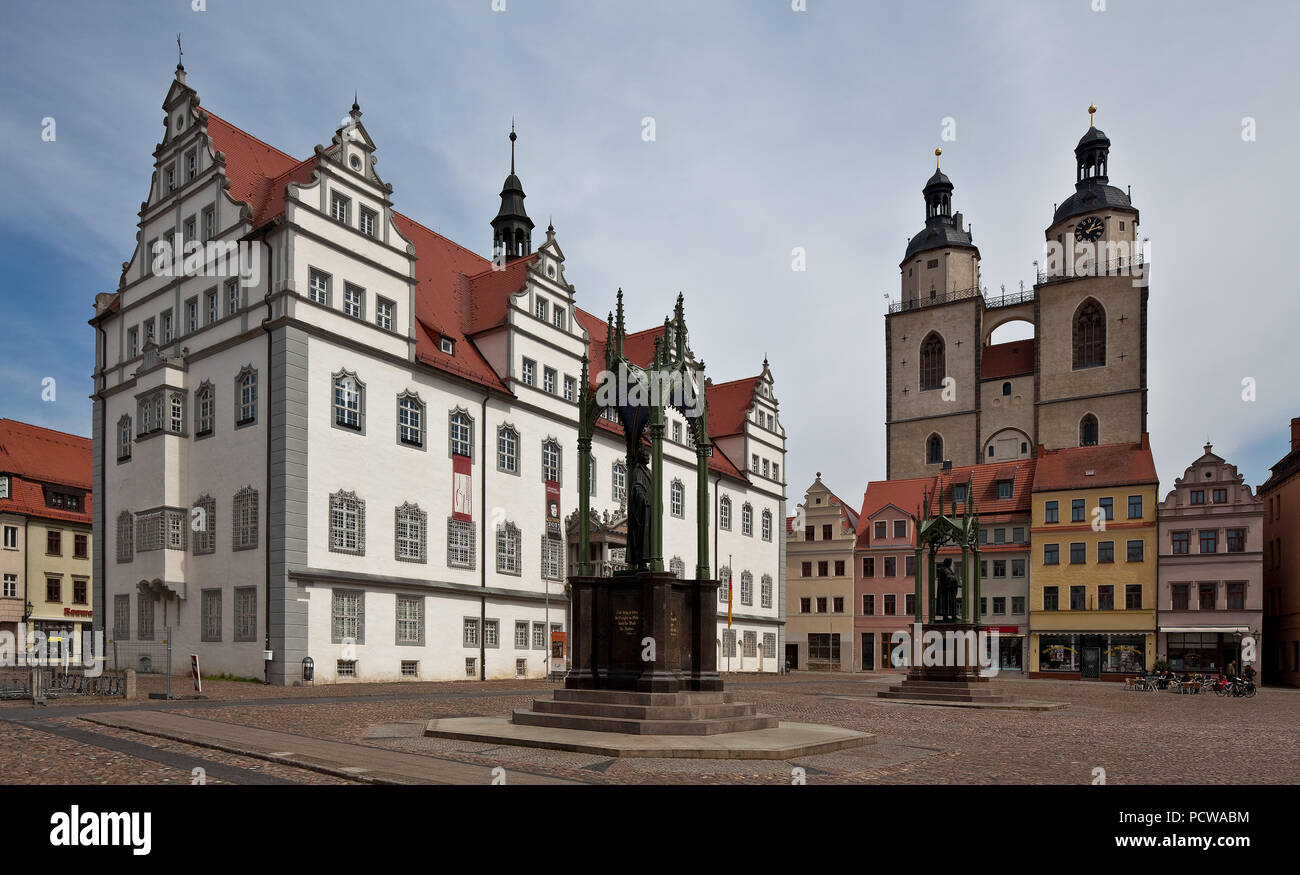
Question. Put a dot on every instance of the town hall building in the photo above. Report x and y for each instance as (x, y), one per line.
(343, 448)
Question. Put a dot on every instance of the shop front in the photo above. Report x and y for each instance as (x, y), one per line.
(1010, 643)
(1208, 650)
(1086, 656)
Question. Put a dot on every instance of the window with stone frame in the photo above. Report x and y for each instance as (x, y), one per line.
(124, 438)
(460, 543)
(507, 449)
(205, 409)
(354, 301)
(347, 616)
(765, 591)
(521, 634)
(347, 522)
(751, 644)
(1089, 431)
(747, 520)
(122, 617)
(125, 536)
(211, 619)
(551, 460)
(245, 613)
(746, 588)
(491, 632)
(470, 632)
(677, 499)
(460, 434)
(552, 558)
(318, 287)
(246, 396)
(243, 526)
(677, 567)
(539, 636)
(176, 528)
(410, 419)
(934, 450)
(769, 645)
(724, 578)
(144, 616)
(618, 489)
(349, 401)
(410, 621)
(149, 530)
(724, 514)
(767, 525)
(410, 533)
(508, 540)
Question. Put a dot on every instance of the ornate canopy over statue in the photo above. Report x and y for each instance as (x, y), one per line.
(935, 529)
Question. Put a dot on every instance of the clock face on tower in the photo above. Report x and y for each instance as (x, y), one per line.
(1089, 229)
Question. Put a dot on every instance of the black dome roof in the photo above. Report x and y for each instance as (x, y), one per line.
(1094, 136)
(938, 235)
(1090, 195)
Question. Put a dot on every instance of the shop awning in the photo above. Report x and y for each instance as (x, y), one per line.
(1242, 629)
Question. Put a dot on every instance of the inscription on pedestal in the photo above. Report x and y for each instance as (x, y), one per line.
(628, 621)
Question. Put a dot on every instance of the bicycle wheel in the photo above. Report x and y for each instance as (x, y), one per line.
(1220, 690)
(1251, 689)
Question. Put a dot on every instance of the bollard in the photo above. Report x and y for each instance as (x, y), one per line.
(129, 693)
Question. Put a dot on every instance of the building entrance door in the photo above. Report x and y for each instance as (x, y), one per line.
(792, 657)
(1092, 662)
(868, 651)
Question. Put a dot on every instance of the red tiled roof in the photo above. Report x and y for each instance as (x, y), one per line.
(33, 456)
(983, 482)
(1011, 359)
(254, 167)
(1111, 464)
(728, 404)
(906, 495)
(490, 291)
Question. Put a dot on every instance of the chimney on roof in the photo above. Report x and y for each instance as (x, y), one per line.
(947, 465)
(1042, 451)
(1295, 433)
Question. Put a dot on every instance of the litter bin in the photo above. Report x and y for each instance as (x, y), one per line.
(308, 670)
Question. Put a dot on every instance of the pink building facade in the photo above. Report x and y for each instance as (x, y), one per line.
(1210, 571)
(884, 574)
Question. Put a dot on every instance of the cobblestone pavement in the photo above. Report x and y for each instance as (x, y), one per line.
(1160, 738)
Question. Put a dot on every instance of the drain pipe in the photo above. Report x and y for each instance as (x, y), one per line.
(483, 542)
(266, 549)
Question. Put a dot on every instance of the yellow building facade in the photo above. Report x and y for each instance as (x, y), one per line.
(1093, 581)
(59, 583)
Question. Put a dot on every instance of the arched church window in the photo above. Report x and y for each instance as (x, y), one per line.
(932, 361)
(1088, 431)
(934, 450)
(1089, 335)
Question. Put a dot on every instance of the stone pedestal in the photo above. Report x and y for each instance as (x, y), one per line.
(647, 632)
(958, 679)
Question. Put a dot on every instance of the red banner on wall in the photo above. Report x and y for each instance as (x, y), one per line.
(462, 489)
(553, 509)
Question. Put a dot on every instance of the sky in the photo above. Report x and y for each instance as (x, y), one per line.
(774, 129)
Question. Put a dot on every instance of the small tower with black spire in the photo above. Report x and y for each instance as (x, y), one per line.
(512, 230)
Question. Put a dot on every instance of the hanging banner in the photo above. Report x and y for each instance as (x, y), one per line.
(462, 492)
(552, 509)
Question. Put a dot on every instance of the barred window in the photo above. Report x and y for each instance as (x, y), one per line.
(245, 613)
(507, 450)
(144, 616)
(552, 558)
(175, 530)
(410, 419)
(204, 525)
(346, 521)
(348, 400)
(767, 525)
(125, 536)
(149, 531)
(769, 645)
(746, 588)
(211, 620)
(765, 591)
(724, 514)
(410, 620)
(618, 492)
(121, 617)
(508, 549)
(551, 460)
(410, 527)
(204, 410)
(461, 434)
(348, 616)
(460, 543)
(244, 524)
(747, 520)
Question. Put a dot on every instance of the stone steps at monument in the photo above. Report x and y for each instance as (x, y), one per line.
(628, 697)
(707, 726)
(643, 712)
(946, 691)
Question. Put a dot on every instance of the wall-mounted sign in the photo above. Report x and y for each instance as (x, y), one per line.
(552, 509)
(462, 489)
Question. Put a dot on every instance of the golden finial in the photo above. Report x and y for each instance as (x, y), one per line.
(1092, 110)
(937, 153)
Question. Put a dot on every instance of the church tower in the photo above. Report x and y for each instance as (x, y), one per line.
(512, 230)
(1090, 311)
(932, 342)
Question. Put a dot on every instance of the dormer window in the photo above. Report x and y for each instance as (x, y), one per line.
(959, 492)
(4, 487)
(447, 345)
(1005, 488)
